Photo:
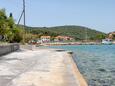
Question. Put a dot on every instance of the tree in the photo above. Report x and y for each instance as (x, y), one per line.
(4, 28)
(18, 34)
(100, 37)
(11, 22)
(8, 29)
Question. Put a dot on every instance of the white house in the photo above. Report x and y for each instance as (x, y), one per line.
(45, 39)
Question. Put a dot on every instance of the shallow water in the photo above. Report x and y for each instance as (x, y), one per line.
(95, 62)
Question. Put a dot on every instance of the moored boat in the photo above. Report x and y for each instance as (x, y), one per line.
(107, 41)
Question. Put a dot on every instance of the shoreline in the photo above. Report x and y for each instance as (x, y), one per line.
(79, 77)
(78, 74)
(72, 43)
(46, 67)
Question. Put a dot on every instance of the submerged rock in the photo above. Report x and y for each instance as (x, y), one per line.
(102, 70)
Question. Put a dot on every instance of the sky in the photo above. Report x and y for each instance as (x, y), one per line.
(95, 14)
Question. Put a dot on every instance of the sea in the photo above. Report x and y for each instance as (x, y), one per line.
(95, 62)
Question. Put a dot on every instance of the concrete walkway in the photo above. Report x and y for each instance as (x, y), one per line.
(41, 67)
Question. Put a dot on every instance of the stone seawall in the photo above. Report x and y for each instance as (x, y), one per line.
(5, 49)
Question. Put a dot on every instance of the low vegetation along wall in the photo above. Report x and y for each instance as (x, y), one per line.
(5, 49)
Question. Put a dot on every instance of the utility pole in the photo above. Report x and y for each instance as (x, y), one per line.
(24, 16)
(24, 13)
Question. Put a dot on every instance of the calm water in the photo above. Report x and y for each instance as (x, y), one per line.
(95, 62)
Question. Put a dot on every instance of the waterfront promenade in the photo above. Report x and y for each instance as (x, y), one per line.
(40, 67)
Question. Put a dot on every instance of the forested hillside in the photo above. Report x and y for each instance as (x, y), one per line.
(78, 32)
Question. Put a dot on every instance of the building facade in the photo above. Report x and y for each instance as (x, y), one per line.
(45, 39)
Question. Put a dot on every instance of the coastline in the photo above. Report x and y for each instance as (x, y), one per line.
(70, 43)
(36, 67)
(77, 73)
(79, 77)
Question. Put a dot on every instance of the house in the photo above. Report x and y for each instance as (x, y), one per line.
(63, 38)
(45, 39)
(111, 35)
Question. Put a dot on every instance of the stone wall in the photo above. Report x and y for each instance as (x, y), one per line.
(5, 49)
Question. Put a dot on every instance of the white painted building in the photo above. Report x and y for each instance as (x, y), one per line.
(45, 39)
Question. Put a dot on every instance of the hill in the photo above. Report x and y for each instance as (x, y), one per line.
(78, 32)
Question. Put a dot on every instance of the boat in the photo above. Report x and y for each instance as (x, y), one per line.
(106, 41)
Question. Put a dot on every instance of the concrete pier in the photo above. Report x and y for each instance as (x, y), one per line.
(41, 67)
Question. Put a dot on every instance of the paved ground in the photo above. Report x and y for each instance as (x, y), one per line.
(37, 68)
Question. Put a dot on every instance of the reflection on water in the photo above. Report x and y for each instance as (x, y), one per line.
(95, 62)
